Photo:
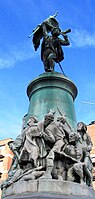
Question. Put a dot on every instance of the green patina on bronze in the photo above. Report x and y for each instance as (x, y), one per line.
(52, 90)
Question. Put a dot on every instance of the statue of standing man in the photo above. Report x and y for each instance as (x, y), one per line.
(51, 50)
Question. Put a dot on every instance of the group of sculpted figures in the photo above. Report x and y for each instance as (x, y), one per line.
(53, 150)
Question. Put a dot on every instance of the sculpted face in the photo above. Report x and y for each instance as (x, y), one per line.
(81, 126)
(61, 119)
(72, 137)
(30, 121)
(48, 119)
(56, 32)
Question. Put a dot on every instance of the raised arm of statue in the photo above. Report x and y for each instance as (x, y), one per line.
(64, 42)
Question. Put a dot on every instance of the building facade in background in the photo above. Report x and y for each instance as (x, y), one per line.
(91, 131)
(6, 156)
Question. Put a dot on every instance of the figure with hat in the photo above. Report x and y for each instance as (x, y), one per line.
(51, 50)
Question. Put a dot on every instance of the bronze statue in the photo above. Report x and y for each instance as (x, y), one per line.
(51, 50)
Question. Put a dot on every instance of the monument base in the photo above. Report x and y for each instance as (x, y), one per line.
(48, 189)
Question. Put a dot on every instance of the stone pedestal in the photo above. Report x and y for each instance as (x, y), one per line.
(52, 90)
(48, 189)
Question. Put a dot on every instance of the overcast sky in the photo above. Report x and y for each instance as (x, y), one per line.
(19, 63)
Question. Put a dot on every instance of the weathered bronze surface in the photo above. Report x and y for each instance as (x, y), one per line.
(51, 50)
(52, 90)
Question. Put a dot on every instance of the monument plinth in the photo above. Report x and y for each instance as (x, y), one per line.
(48, 189)
(54, 91)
